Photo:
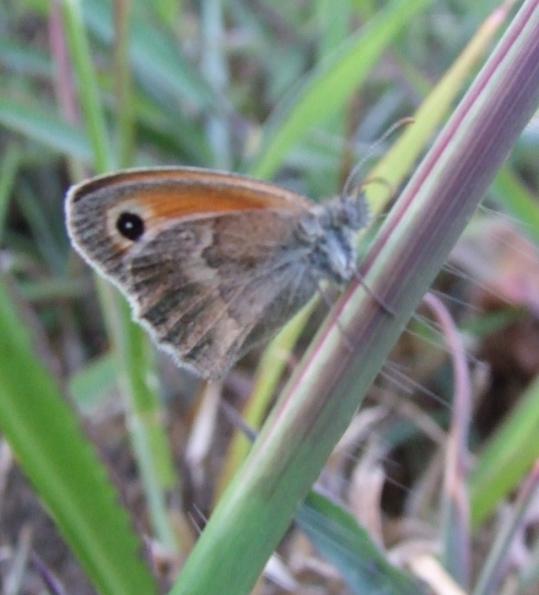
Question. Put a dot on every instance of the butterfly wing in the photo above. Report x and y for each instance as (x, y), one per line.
(215, 267)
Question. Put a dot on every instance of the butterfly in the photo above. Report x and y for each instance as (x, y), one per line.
(212, 263)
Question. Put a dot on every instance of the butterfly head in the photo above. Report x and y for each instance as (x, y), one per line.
(331, 229)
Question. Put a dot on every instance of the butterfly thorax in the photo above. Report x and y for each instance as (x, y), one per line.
(330, 230)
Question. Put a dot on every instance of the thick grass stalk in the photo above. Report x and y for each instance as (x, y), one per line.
(394, 167)
(321, 397)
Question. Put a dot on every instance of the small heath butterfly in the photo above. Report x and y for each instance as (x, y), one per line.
(212, 263)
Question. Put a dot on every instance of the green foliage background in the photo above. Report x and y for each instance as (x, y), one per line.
(294, 92)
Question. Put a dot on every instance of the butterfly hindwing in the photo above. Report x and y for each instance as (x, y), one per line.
(207, 291)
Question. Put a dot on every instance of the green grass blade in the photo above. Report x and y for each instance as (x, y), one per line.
(215, 68)
(94, 117)
(41, 124)
(400, 159)
(147, 435)
(62, 465)
(125, 129)
(490, 577)
(156, 59)
(507, 458)
(337, 535)
(517, 200)
(271, 367)
(330, 85)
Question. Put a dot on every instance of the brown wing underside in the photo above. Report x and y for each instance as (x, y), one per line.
(217, 267)
(159, 197)
(209, 290)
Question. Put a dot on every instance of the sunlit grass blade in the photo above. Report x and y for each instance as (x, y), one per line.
(399, 160)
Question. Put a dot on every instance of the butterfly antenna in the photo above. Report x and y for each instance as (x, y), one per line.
(350, 184)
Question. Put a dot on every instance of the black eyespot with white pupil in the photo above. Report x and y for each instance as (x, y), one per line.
(130, 225)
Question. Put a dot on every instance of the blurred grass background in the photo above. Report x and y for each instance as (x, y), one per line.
(295, 92)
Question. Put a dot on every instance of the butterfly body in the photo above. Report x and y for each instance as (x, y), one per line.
(212, 263)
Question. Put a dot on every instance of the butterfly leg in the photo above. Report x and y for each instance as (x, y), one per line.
(385, 307)
(327, 300)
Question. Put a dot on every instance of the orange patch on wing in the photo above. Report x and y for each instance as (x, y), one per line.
(185, 192)
(169, 200)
